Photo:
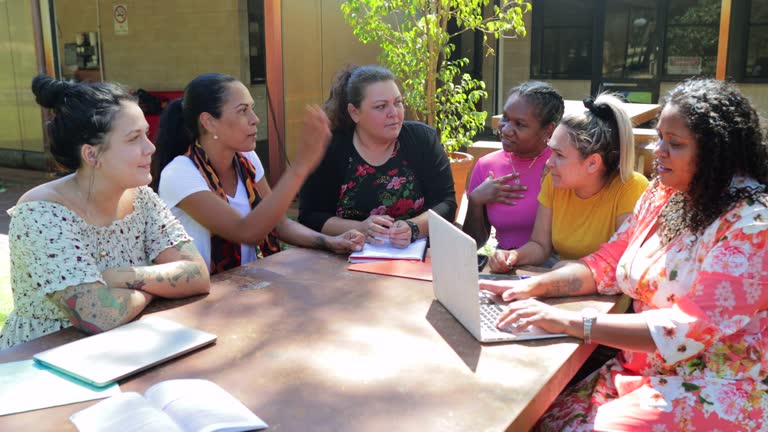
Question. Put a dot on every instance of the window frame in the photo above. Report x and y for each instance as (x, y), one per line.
(738, 41)
(664, 45)
(258, 17)
(537, 43)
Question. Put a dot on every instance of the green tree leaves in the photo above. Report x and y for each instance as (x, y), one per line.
(415, 45)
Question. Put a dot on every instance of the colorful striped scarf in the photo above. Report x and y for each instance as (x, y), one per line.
(225, 254)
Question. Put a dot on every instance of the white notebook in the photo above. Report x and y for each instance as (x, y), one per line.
(107, 357)
(371, 252)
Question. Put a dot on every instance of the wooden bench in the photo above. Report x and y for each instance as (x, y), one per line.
(645, 144)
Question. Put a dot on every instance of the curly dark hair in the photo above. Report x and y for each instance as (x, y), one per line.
(731, 142)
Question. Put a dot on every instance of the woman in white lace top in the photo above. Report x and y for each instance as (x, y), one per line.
(93, 248)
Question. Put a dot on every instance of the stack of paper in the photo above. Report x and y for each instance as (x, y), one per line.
(372, 253)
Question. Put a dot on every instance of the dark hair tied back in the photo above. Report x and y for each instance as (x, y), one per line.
(548, 105)
(602, 111)
(179, 126)
(83, 114)
(348, 87)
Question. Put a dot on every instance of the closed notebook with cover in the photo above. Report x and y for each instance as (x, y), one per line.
(108, 357)
(371, 252)
(419, 270)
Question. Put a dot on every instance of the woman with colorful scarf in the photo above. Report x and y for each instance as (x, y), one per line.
(207, 172)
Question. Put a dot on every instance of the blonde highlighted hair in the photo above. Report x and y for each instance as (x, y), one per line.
(604, 128)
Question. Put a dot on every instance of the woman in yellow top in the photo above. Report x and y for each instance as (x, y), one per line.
(591, 187)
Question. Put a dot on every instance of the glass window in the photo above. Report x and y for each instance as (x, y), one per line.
(757, 40)
(692, 34)
(630, 40)
(563, 47)
(256, 44)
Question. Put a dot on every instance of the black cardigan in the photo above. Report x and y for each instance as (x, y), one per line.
(419, 146)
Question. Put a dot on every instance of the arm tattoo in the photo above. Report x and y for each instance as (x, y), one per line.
(187, 250)
(186, 270)
(566, 288)
(137, 285)
(90, 307)
(320, 243)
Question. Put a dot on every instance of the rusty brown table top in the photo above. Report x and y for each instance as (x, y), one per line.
(308, 345)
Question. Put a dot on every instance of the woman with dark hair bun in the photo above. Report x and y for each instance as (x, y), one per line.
(380, 174)
(694, 259)
(93, 248)
(209, 175)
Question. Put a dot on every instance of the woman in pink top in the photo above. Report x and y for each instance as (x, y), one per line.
(505, 184)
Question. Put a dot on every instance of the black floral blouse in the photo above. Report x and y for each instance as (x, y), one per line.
(389, 189)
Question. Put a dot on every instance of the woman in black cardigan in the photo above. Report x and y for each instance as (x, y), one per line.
(380, 174)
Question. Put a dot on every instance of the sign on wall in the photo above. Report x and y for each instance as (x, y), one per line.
(683, 65)
(120, 18)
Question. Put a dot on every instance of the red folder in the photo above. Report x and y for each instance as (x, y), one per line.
(420, 270)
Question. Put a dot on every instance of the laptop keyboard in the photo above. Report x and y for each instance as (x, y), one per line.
(490, 312)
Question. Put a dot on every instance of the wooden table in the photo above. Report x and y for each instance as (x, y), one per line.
(639, 113)
(308, 345)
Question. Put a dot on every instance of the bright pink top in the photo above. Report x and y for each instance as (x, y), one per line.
(513, 224)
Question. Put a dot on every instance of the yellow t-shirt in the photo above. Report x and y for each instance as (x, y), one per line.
(580, 226)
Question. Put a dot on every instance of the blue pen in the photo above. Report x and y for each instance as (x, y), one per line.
(524, 277)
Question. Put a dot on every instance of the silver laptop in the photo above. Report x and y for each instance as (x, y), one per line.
(107, 357)
(455, 281)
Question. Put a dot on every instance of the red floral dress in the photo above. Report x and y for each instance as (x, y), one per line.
(705, 301)
(389, 189)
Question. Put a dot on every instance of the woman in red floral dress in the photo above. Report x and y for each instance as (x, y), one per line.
(693, 258)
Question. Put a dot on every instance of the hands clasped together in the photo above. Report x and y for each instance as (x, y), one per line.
(379, 228)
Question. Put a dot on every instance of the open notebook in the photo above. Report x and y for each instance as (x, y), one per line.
(107, 357)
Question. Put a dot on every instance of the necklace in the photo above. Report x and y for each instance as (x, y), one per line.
(514, 170)
(672, 218)
(374, 157)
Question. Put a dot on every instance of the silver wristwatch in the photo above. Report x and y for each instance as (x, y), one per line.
(588, 318)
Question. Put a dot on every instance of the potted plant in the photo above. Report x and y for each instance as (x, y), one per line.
(416, 45)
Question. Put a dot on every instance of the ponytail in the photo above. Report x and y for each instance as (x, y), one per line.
(179, 127)
(626, 137)
(173, 139)
(604, 128)
(335, 106)
(348, 87)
